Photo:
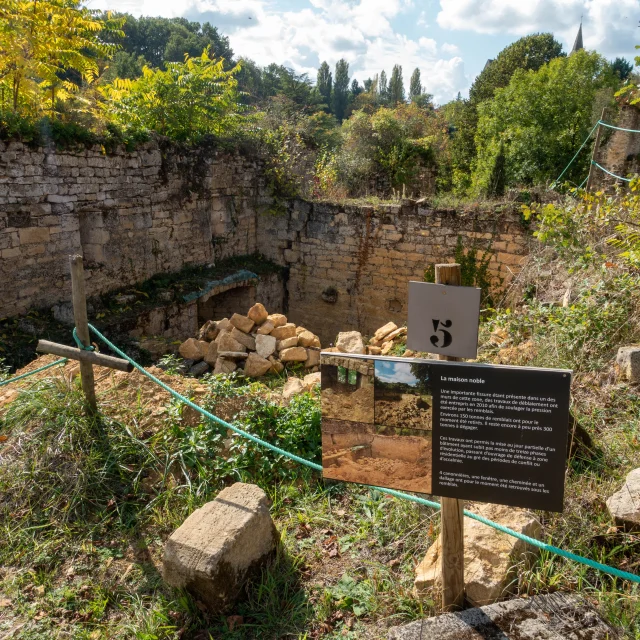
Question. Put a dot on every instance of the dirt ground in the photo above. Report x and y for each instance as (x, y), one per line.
(356, 406)
(407, 412)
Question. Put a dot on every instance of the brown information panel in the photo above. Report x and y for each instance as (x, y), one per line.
(478, 432)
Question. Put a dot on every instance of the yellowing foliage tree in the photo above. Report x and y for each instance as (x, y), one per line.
(48, 48)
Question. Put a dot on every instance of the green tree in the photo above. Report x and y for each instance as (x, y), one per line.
(340, 89)
(541, 117)
(496, 185)
(124, 65)
(382, 87)
(415, 86)
(396, 85)
(622, 68)
(324, 84)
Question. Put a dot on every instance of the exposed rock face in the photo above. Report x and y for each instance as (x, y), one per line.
(242, 322)
(219, 546)
(628, 361)
(256, 365)
(294, 354)
(624, 505)
(193, 349)
(265, 345)
(258, 313)
(489, 555)
(350, 342)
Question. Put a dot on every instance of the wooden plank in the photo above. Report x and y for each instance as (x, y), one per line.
(596, 146)
(79, 299)
(92, 357)
(451, 516)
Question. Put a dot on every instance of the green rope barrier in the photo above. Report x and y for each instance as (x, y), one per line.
(392, 492)
(613, 175)
(555, 182)
(612, 126)
(79, 342)
(30, 373)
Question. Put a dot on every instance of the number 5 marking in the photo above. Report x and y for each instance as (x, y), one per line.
(446, 336)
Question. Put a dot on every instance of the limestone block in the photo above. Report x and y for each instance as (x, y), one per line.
(199, 369)
(386, 348)
(384, 331)
(242, 322)
(265, 328)
(293, 387)
(294, 354)
(311, 381)
(224, 325)
(489, 555)
(233, 355)
(624, 505)
(373, 351)
(226, 342)
(265, 345)
(313, 358)
(209, 331)
(300, 330)
(244, 339)
(224, 366)
(628, 361)
(221, 545)
(278, 319)
(350, 342)
(276, 365)
(284, 331)
(308, 339)
(192, 349)
(34, 235)
(287, 343)
(256, 365)
(395, 334)
(212, 354)
(258, 313)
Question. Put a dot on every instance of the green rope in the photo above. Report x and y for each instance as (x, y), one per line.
(79, 342)
(397, 494)
(30, 373)
(613, 175)
(611, 126)
(555, 182)
(582, 183)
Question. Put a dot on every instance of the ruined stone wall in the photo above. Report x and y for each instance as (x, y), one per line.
(130, 214)
(349, 266)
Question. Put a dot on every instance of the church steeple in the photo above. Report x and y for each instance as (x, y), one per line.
(578, 45)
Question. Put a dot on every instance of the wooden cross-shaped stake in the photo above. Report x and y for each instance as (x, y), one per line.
(86, 358)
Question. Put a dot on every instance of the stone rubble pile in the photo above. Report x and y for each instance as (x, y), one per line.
(380, 344)
(257, 343)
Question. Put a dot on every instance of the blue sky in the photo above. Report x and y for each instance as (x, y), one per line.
(449, 40)
(395, 372)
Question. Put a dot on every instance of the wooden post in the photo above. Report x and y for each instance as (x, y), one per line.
(595, 150)
(82, 328)
(451, 516)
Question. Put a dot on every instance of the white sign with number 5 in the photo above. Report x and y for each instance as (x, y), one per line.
(443, 319)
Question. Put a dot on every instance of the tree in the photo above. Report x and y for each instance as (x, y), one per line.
(622, 68)
(340, 89)
(324, 84)
(415, 86)
(496, 185)
(396, 85)
(542, 117)
(382, 87)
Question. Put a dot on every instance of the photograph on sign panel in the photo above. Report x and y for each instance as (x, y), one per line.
(347, 389)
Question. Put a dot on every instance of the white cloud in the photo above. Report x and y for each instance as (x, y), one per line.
(396, 372)
(609, 26)
(449, 49)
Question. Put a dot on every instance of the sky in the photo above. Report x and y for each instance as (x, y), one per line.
(395, 372)
(448, 40)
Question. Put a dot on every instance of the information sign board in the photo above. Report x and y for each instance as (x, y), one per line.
(443, 319)
(479, 432)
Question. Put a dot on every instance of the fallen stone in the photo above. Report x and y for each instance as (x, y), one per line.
(396, 334)
(258, 313)
(294, 354)
(308, 339)
(489, 555)
(373, 351)
(192, 349)
(265, 345)
(300, 330)
(199, 369)
(212, 354)
(276, 365)
(256, 365)
(265, 328)
(383, 332)
(209, 331)
(555, 616)
(225, 366)
(386, 348)
(284, 331)
(350, 342)
(313, 358)
(233, 355)
(287, 343)
(409, 354)
(277, 319)
(624, 505)
(628, 361)
(292, 387)
(220, 546)
(226, 342)
(242, 322)
(311, 381)
(244, 339)
(224, 325)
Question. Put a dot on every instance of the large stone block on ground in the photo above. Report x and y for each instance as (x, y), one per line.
(350, 342)
(224, 366)
(555, 616)
(219, 546)
(284, 331)
(628, 361)
(212, 354)
(193, 349)
(294, 354)
(489, 555)
(624, 505)
(242, 322)
(243, 338)
(265, 345)
(313, 358)
(277, 319)
(256, 365)
(226, 342)
(258, 313)
(308, 339)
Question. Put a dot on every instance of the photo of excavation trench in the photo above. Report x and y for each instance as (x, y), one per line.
(356, 445)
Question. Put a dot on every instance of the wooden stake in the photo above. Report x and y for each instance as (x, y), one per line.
(82, 328)
(451, 516)
(99, 359)
(596, 145)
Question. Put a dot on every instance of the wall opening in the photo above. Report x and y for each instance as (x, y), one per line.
(225, 304)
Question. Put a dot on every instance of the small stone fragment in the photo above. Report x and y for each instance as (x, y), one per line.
(192, 349)
(293, 387)
(265, 345)
(277, 319)
(294, 354)
(313, 358)
(311, 381)
(199, 369)
(208, 331)
(300, 330)
(225, 366)
(258, 313)
(350, 342)
(244, 339)
(628, 361)
(624, 505)
(383, 332)
(212, 354)
(242, 322)
(373, 351)
(308, 339)
(233, 355)
(256, 365)
(276, 365)
(386, 348)
(284, 331)
(224, 325)
(226, 342)
(395, 334)
(265, 328)
(287, 343)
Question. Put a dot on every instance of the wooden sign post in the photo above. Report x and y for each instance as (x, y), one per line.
(451, 511)
(86, 358)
